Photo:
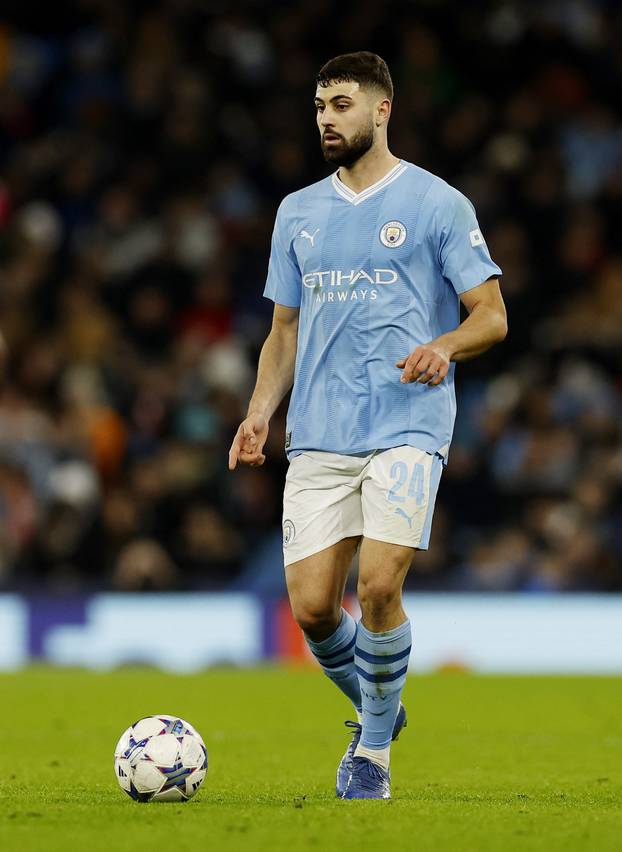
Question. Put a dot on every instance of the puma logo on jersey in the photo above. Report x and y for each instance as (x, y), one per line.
(409, 518)
(310, 237)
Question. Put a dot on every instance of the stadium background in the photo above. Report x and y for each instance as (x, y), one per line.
(144, 149)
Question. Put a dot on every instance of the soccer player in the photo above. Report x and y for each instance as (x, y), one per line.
(367, 271)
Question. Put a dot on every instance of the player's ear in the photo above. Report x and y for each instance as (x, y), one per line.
(383, 111)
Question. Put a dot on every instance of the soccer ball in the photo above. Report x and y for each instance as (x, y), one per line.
(160, 758)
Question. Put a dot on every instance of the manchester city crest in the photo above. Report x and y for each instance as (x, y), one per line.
(392, 234)
(289, 531)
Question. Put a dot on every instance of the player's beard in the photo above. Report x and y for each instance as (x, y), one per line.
(346, 153)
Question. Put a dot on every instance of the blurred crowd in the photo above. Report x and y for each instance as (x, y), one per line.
(144, 149)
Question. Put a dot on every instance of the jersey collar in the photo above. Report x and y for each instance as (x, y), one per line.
(356, 198)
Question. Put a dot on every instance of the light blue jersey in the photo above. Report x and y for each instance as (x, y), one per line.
(375, 274)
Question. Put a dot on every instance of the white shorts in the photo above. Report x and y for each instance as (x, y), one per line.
(387, 495)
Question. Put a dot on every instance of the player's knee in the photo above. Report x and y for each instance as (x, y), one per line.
(378, 592)
(316, 617)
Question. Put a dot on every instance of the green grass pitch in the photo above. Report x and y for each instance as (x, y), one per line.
(486, 763)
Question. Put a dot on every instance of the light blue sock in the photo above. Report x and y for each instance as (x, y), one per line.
(336, 656)
(381, 661)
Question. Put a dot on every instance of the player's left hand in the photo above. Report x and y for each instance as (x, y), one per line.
(428, 364)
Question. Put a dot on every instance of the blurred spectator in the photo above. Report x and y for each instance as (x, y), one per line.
(143, 565)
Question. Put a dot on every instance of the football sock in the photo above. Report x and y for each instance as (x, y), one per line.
(381, 661)
(381, 756)
(336, 656)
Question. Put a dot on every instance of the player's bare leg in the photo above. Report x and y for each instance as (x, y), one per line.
(316, 585)
(381, 658)
(382, 570)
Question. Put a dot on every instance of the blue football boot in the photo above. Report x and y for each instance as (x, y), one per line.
(344, 770)
(367, 781)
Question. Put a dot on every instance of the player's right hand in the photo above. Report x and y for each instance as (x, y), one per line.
(248, 443)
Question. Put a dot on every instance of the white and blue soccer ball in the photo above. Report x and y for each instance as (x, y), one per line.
(160, 758)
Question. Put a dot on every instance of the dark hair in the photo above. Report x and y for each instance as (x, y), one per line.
(364, 68)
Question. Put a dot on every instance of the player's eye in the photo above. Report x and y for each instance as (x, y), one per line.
(319, 107)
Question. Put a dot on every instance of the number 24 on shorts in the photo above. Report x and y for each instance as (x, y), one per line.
(399, 472)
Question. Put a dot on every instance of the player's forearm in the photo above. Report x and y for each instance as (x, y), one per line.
(275, 373)
(483, 328)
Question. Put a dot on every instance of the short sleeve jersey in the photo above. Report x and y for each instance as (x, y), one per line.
(374, 274)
